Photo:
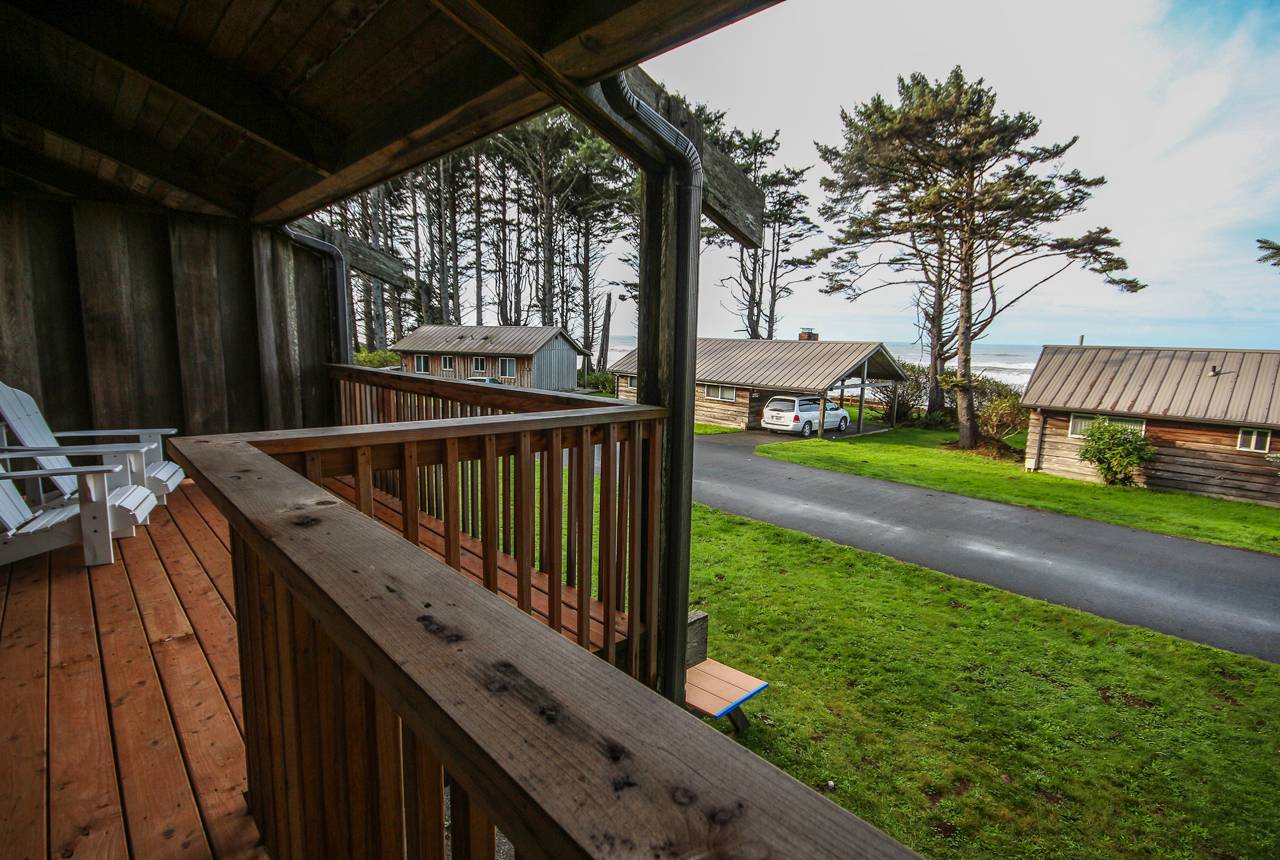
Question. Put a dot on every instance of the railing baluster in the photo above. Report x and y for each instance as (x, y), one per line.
(524, 524)
(311, 467)
(452, 524)
(329, 719)
(424, 801)
(311, 759)
(364, 480)
(554, 526)
(489, 524)
(608, 534)
(586, 488)
(409, 490)
(289, 718)
(389, 815)
(634, 469)
(471, 836)
(360, 765)
(652, 525)
(544, 500)
(507, 546)
(571, 516)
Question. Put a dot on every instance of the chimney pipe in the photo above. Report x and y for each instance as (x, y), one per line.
(808, 334)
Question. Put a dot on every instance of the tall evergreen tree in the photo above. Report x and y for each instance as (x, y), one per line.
(942, 186)
(1270, 252)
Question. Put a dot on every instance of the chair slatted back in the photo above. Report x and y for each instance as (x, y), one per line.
(13, 508)
(22, 416)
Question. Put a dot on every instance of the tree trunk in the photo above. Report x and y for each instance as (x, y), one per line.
(965, 415)
(442, 250)
(548, 260)
(476, 214)
(586, 296)
(602, 363)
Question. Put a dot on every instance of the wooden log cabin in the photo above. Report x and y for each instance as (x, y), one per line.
(736, 377)
(1212, 415)
(543, 357)
(376, 622)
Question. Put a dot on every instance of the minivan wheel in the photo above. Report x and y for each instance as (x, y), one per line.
(807, 430)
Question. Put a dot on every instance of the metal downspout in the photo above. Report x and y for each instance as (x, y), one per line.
(341, 278)
(684, 157)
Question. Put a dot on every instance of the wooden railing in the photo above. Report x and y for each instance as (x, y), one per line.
(515, 502)
(392, 708)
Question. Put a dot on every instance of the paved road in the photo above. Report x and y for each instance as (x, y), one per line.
(1220, 596)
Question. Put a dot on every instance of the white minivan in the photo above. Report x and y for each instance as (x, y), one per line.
(800, 415)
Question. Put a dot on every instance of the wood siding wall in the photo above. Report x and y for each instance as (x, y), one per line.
(462, 367)
(708, 410)
(124, 317)
(1197, 458)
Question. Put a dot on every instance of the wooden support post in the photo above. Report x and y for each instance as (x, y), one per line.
(822, 414)
(409, 490)
(862, 395)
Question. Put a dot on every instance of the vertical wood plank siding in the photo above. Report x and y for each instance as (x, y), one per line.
(120, 317)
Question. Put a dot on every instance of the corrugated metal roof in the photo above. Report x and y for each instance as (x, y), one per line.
(481, 339)
(785, 365)
(1153, 382)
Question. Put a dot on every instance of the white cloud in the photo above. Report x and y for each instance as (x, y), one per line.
(1182, 123)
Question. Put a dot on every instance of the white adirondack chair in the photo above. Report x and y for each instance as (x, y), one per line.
(22, 417)
(99, 513)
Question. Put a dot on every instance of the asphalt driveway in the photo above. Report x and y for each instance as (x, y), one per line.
(1211, 594)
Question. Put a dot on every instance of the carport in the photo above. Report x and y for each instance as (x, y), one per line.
(736, 376)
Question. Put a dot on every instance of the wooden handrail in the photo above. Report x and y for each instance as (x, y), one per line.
(440, 679)
(509, 398)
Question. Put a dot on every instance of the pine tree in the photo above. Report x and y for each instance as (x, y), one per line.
(1270, 252)
(943, 193)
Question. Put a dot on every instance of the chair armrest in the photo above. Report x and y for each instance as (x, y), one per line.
(55, 473)
(12, 451)
(154, 431)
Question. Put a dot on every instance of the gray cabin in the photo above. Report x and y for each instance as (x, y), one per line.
(526, 356)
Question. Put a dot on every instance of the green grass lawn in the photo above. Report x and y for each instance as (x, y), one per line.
(971, 722)
(918, 457)
(712, 429)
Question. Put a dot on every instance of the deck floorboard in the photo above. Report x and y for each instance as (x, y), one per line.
(120, 696)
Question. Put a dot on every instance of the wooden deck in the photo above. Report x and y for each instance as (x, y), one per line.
(120, 698)
(120, 689)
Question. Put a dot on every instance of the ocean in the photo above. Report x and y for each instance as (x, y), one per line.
(1008, 362)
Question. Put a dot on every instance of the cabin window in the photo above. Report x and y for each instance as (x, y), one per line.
(477, 364)
(422, 363)
(1080, 423)
(446, 363)
(631, 380)
(722, 392)
(1251, 439)
(507, 368)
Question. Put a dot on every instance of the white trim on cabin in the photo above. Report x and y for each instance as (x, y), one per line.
(1253, 439)
(446, 362)
(1079, 430)
(727, 393)
(503, 364)
(478, 364)
(422, 363)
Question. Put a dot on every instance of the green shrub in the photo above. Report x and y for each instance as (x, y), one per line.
(1002, 416)
(1118, 451)
(599, 380)
(377, 358)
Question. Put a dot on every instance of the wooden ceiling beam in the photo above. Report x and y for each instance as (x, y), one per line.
(731, 199)
(63, 179)
(134, 43)
(26, 102)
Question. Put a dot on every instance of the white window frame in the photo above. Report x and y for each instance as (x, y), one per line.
(422, 363)
(446, 363)
(1141, 423)
(1255, 433)
(719, 392)
(478, 366)
(501, 362)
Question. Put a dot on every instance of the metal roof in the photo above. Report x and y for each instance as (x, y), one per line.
(482, 339)
(1155, 382)
(790, 365)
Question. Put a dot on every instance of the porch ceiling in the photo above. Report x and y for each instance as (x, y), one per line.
(268, 111)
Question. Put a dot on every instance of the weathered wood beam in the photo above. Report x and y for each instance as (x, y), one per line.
(133, 42)
(27, 102)
(731, 208)
(60, 178)
(361, 256)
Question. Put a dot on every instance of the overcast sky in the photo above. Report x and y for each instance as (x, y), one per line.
(1177, 104)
